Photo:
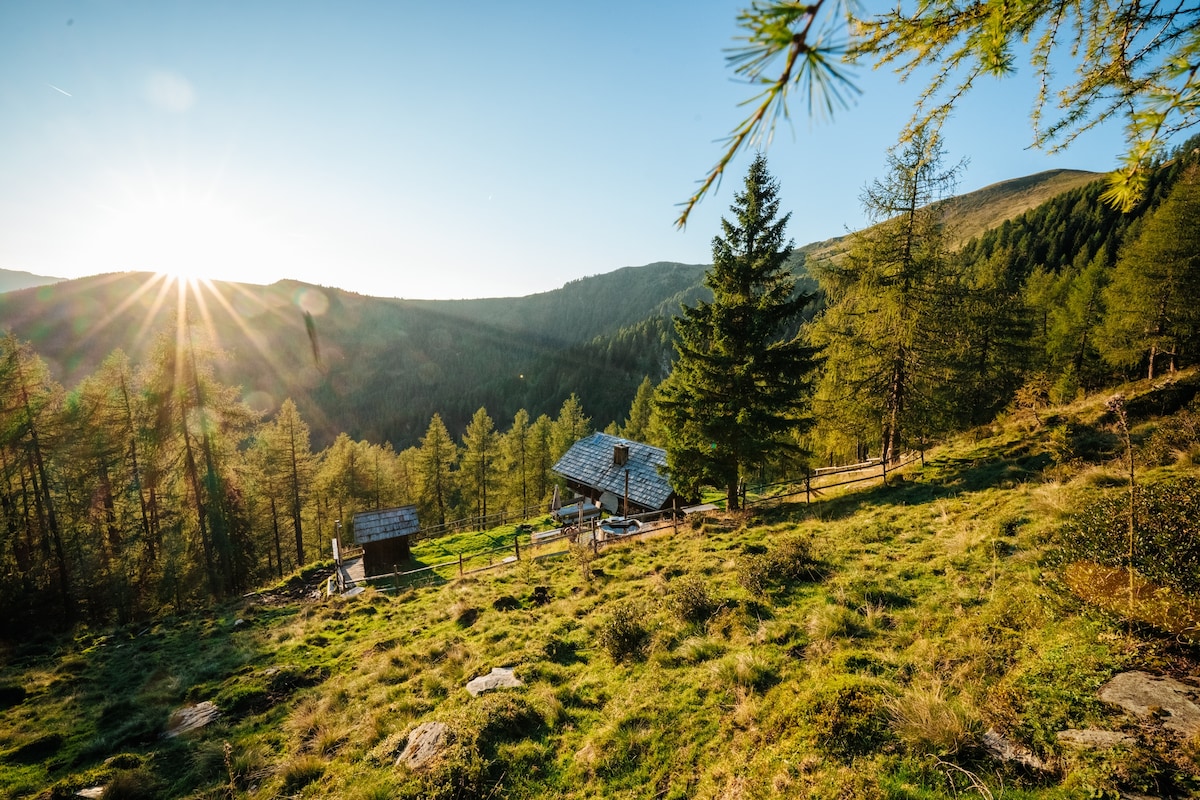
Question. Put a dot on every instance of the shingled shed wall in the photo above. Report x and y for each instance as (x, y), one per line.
(599, 463)
(383, 536)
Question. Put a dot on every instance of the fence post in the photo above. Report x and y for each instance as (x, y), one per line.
(517, 545)
(807, 487)
(883, 461)
(460, 565)
(675, 515)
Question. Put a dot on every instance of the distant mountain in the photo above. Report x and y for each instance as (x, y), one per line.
(11, 280)
(386, 365)
(969, 215)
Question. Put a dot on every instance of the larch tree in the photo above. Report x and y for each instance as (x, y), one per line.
(438, 456)
(291, 463)
(888, 300)
(570, 426)
(516, 451)
(739, 387)
(1136, 61)
(478, 462)
(1153, 317)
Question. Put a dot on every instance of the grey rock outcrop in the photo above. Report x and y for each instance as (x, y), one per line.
(1175, 703)
(425, 742)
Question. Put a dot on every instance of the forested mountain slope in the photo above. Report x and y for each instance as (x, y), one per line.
(385, 366)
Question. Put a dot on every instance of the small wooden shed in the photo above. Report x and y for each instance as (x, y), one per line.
(384, 537)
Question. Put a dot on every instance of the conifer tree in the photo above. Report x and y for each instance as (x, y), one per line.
(1152, 313)
(438, 456)
(890, 303)
(738, 387)
(478, 459)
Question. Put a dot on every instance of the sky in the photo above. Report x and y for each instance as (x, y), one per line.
(424, 149)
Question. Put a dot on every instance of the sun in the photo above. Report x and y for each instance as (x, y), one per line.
(185, 237)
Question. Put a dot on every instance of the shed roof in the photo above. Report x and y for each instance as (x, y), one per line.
(590, 462)
(375, 526)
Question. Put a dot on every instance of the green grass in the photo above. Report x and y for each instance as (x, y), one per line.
(893, 625)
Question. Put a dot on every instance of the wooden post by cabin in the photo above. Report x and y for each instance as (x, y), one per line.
(675, 514)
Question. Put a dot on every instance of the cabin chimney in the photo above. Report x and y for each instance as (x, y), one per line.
(620, 454)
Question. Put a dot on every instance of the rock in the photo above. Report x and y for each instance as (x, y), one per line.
(191, 718)
(1093, 739)
(498, 678)
(425, 742)
(1175, 703)
(1004, 749)
(91, 791)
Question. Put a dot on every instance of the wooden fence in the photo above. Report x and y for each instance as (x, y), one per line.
(528, 544)
(819, 480)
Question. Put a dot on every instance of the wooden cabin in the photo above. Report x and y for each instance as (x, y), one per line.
(619, 475)
(384, 537)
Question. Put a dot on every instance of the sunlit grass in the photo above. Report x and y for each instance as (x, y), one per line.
(932, 617)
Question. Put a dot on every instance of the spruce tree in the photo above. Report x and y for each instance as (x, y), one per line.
(739, 386)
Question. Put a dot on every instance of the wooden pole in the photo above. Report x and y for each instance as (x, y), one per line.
(517, 545)
(460, 565)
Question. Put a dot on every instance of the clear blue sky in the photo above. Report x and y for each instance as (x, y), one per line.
(420, 149)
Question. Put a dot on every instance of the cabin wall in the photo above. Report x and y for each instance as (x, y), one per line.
(382, 557)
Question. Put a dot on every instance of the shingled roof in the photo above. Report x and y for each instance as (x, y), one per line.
(590, 462)
(375, 526)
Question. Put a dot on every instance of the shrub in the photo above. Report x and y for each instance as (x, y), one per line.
(1167, 538)
(788, 560)
(848, 717)
(623, 633)
(1177, 434)
(689, 599)
(132, 784)
(752, 573)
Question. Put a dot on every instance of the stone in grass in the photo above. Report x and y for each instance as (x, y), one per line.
(1175, 703)
(498, 678)
(1093, 739)
(190, 718)
(1004, 749)
(424, 744)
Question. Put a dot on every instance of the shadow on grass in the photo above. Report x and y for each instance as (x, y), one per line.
(939, 479)
(414, 573)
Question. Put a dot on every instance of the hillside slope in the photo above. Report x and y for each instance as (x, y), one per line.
(875, 644)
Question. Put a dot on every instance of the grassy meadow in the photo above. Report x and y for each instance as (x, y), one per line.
(857, 647)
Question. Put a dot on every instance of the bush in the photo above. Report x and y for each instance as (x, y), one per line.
(134, 784)
(1167, 535)
(788, 560)
(689, 599)
(848, 717)
(623, 634)
(1174, 435)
